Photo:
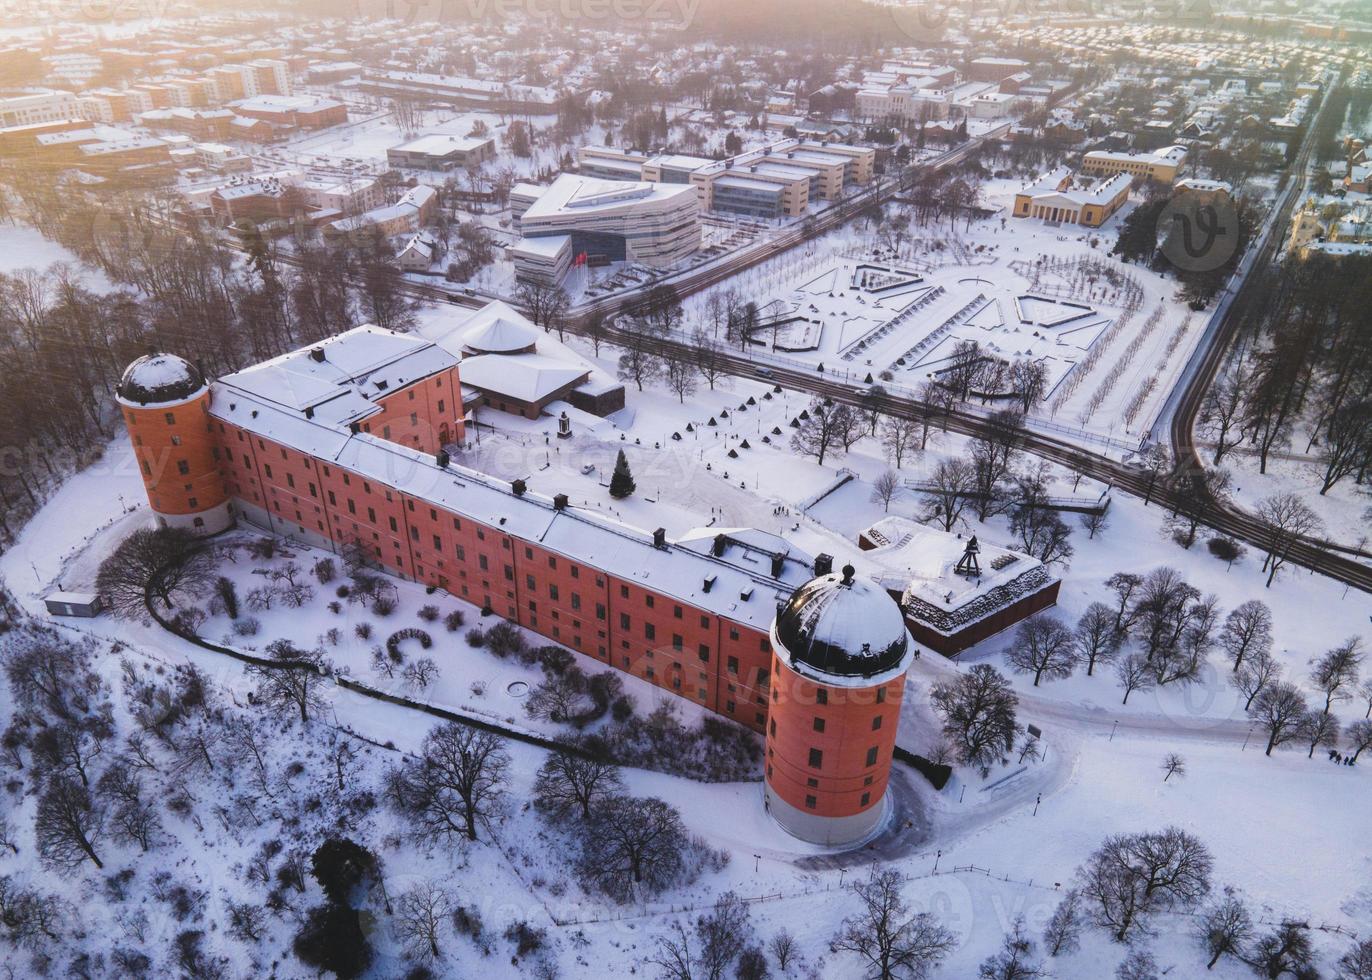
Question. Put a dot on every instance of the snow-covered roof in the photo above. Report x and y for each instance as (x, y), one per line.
(841, 627)
(497, 328)
(337, 379)
(918, 562)
(527, 377)
(159, 379)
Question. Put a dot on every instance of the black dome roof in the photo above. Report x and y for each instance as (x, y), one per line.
(842, 626)
(156, 378)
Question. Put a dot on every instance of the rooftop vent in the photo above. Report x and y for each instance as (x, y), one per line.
(441, 458)
(518, 487)
(746, 594)
(720, 543)
(778, 563)
(824, 564)
(660, 538)
(354, 428)
(560, 501)
(317, 354)
(309, 411)
(709, 583)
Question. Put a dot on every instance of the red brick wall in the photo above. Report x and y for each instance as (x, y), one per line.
(177, 455)
(423, 415)
(846, 779)
(716, 663)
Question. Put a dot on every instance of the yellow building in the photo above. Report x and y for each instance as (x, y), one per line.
(1160, 165)
(1054, 198)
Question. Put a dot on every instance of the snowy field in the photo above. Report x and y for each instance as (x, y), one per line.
(1114, 336)
(1279, 828)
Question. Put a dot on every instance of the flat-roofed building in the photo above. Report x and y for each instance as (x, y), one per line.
(803, 170)
(608, 221)
(1160, 165)
(441, 151)
(459, 90)
(611, 163)
(673, 168)
(38, 107)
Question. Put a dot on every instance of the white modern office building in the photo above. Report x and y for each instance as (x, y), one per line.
(582, 220)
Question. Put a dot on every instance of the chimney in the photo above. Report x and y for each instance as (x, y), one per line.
(560, 501)
(309, 411)
(660, 538)
(720, 543)
(824, 564)
(709, 583)
(518, 487)
(778, 563)
(354, 428)
(441, 458)
(317, 354)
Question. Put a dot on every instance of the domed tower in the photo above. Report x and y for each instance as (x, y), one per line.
(166, 406)
(840, 653)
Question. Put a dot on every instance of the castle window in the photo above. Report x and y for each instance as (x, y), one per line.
(816, 759)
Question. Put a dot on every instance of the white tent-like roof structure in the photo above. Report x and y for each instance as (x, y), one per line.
(498, 329)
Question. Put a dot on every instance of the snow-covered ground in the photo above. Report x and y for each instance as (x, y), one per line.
(1110, 370)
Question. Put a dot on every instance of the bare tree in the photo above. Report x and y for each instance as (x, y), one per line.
(163, 564)
(890, 940)
(884, 487)
(571, 785)
(783, 948)
(1285, 519)
(1125, 585)
(1284, 952)
(1173, 765)
(1225, 928)
(1319, 729)
(1043, 646)
(1015, 960)
(950, 488)
(1258, 671)
(1134, 674)
(1356, 964)
(978, 711)
(680, 375)
(558, 697)
(1130, 877)
(68, 824)
(1096, 638)
(825, 426)
(1279, 708)
(1336, 673)
(297, 685)
(1222, 411)
(723, 933)
(1095, 522)
(458, 780)
(1062, 934)
(133, 817)
(633, 845)
(709, 356)
(1358, 736)
(901, 438)
(1247, 630)
(1138, 964)
(418, 922)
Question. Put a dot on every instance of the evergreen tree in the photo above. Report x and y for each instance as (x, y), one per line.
(621, 481)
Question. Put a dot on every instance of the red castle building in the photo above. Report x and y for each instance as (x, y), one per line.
(341, 446)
